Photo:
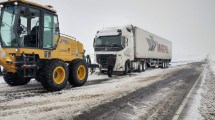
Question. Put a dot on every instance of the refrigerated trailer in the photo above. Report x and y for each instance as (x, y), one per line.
(132, 48)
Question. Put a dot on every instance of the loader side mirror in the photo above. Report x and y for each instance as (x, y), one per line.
(57, 29)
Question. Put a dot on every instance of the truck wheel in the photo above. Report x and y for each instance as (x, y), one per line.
(15, 79)
(78, 73)
(54, 75)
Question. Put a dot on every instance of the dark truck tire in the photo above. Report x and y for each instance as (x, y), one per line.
(78, 72)
(15, 79)
(54, 75)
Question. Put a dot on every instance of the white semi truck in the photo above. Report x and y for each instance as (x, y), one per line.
(132, 48)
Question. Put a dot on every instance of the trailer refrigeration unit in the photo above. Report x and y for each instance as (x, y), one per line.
(132, 48)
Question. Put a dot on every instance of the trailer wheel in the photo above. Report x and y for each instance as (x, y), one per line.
(167, 64)
(144, 66)
(140, 67)
(54, 75)
(78, 72)
(15, 79)
(163, 65)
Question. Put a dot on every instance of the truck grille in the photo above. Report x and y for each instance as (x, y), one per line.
(102, 59)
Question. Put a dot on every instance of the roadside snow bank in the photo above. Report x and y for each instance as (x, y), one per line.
(208, 96)
(178, 63)
(211, 60)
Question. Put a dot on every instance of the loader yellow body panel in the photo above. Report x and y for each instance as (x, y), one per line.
(66, 50)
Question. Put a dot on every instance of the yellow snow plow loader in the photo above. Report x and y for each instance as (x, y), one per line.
(32, 47)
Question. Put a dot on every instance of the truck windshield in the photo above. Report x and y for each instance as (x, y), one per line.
(108, 41)
(7, 33)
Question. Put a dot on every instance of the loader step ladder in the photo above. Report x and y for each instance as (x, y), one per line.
(29, 65)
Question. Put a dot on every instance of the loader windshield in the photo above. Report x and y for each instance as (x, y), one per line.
(7, 33)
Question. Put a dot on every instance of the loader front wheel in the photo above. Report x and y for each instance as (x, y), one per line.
(78, 72)
(54, 75)
(15, 79)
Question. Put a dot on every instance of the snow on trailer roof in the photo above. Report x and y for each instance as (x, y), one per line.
(47, 7)
(118, 27)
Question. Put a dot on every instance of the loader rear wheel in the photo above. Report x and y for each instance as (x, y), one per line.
(54, 75)
(15, 79)
(78, 73)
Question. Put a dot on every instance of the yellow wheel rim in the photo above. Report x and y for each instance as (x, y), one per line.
(81, 72)
(59, 75)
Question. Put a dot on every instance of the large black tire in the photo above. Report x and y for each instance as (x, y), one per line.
(78, 72)
(40, 71)
(140, 67)
(163, 65)
(15, 79)
(54, 75)
(167, 64)
(144, 65)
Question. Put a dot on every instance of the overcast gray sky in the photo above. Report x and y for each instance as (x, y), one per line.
(189, 24)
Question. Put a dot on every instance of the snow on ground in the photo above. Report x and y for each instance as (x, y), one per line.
(208, 95)
(211, 60)
(191, 110)
(202, 102)
(177, 63)
(69, 102)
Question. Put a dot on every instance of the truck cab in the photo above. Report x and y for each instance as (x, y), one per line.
(117, 42)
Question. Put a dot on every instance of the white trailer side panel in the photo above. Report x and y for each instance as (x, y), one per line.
(148, 45)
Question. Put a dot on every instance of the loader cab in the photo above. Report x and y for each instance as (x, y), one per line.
(24, 25)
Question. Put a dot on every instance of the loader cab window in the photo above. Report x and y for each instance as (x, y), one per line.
(8, 36)
(28, 27)
(50, 31)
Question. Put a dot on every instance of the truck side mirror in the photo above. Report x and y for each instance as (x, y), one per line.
(94, 42)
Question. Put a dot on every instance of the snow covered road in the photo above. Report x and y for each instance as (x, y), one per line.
(151, 94)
